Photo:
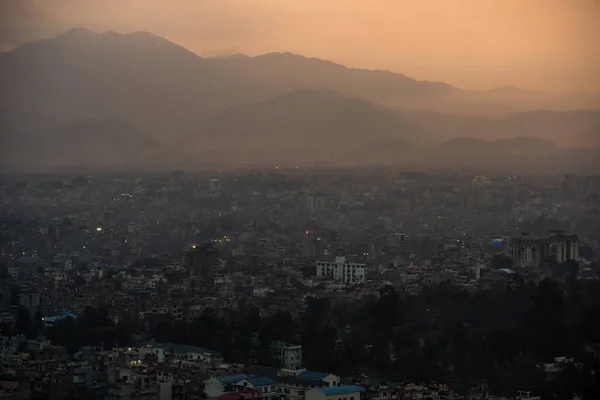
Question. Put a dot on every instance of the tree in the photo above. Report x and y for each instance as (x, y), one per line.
(386, 310)
(3, 271)
(22, 321)
(572, 270)
(500, 261)
(36, 325)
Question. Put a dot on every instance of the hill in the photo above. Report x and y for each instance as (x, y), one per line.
(478, 148)
(563, 128)
(321, 120)
(146, 80)
(91, 142)
(277, 102)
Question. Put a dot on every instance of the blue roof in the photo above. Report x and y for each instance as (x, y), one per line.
(313, 375)
(340, 390)
(62, 315)
(232, 378)
(261, 381)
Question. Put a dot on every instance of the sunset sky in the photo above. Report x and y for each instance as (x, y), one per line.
(476, 44)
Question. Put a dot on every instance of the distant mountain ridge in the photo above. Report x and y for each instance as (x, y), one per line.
(508, 146)
(318, 119)
(87, 141)
(277, 102)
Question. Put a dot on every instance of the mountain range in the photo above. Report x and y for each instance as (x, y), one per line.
(167, 99)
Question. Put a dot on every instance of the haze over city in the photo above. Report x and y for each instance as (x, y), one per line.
(299, 200)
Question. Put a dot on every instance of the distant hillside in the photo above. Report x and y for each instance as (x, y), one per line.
(153, 83)
(278, 102)
(321, 120)
(564, 128)
(472, 147)
(92, 142)
(390, 151)
(166, 90)
(282, 72)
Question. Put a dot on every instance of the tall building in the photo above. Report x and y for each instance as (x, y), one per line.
(580, 186)
(342, 270)
(291, 357)
(215, 185)
(314, 203)
(530, 250)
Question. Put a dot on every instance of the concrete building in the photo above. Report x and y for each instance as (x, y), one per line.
(342, 270)
(294, 388)
(530, 250)
(264, 384)
(326, 378)
(218, 385)
(350, 392)
(215, 185)
(314, 203)
(291, 357)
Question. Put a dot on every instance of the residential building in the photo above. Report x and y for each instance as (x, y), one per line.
(350, 392)
(340, 269)
(291, 357)
(530, 250)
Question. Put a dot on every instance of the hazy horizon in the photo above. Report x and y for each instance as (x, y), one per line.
(536, 45)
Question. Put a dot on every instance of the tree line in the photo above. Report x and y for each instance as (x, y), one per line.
(444, 334)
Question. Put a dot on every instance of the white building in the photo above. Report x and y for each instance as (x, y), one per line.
(341, 270)
(326, 378)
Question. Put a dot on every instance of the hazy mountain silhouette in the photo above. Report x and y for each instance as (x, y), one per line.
(531, 100)
(509, 146)
(563, 128)
(282, 72)
(95, 142)
(390, 151)
(317, 119)
(278, 102)
(153, 83)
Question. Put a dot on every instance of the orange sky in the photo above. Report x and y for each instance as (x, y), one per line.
(537, 44)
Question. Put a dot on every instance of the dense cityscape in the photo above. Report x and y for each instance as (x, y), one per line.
(299, 200)
(308, 283)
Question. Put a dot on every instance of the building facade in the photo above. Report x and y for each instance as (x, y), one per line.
(342, 270)
(531, 250)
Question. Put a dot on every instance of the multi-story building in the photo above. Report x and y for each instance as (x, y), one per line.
(342, 270)
(530, 250)
(350, 392)
(291, 357)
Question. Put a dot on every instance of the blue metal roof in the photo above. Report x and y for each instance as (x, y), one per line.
(62, 315)
(261, 381)
(232, 378)
(313, 375)
(328, 391)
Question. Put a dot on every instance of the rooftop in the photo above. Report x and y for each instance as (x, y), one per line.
(313, 375)
(233, 378)
(183, 348)
(328, 391)
(261, 381)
